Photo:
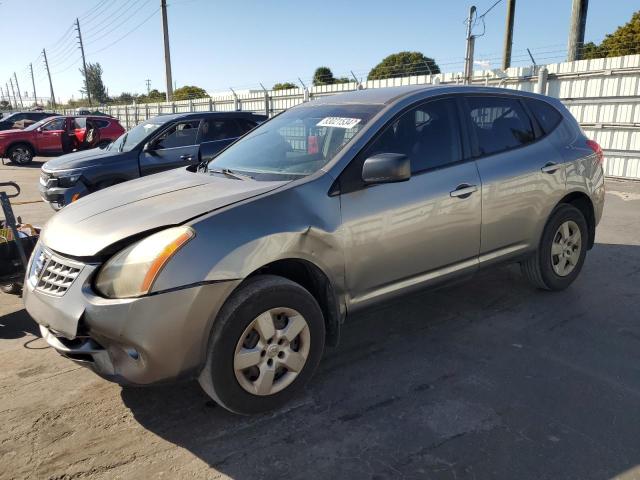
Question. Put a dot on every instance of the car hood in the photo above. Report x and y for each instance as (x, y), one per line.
(80, 159)
(88, 226)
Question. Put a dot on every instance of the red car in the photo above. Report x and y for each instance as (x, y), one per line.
(56, 135)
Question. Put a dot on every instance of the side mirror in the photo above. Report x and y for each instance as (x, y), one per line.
(386, 168)
(149, 146)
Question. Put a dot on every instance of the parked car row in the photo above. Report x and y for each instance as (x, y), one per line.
(158, 144)
(56, 135)
(240, 267)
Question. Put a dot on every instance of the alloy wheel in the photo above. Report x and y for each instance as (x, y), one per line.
(566, 248)
(272, 351)
(21, 155)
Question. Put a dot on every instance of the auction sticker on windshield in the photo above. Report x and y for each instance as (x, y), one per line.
(338, 122)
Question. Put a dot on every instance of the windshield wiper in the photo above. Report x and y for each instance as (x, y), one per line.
(229, 173)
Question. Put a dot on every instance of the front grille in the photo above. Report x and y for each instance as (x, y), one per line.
(57, 275)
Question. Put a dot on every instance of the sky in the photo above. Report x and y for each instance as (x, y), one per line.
(217, 44)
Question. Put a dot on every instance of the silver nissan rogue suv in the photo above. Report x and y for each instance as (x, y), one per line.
(239, 271)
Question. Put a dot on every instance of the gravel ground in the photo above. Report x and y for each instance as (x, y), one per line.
(484, 379)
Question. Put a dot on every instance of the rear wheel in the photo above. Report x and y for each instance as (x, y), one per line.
(562, 250)
(266, 344)
(21, 154)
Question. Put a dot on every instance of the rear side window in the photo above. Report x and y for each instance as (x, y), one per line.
(101, 123)
(427, 134)
(219, 129)
(499, 123)
(547, 116)
(245, 125)
(79, 123)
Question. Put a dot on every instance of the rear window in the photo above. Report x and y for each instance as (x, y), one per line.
(219, 129)
(500, 124)
(547, 116)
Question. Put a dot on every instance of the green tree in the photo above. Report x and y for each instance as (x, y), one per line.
(154, 96)
(125, 98)
(323, 76)
(284, 86)
(189, 91)
(624, 41)
(94, 83)
(403, 64)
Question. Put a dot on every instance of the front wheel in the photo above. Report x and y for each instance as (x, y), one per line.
(561, 252)
(11, 288)
(20, 154)
(266, 344)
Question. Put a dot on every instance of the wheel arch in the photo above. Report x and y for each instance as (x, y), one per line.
(21, 142)
(582, 202)
(316, 282)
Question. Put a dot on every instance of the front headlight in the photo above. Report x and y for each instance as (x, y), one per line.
(68, 179)
(132, 272)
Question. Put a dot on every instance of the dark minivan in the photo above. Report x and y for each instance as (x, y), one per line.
(158, 144)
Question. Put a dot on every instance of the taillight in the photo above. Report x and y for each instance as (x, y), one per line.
(593, 145)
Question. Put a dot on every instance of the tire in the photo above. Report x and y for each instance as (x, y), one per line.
(21, 154)
(544, 269)
(11, 288)
(248, 391)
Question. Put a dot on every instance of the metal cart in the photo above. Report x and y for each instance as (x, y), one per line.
(15, 246)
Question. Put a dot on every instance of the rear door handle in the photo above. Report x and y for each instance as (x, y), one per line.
(464, 191)
(188, 158)
(550, 167)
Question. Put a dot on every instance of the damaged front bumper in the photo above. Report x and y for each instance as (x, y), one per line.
(150, 339)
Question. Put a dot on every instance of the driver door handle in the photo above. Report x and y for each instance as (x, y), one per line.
(463, 191)
(188, 158)
(550, 167)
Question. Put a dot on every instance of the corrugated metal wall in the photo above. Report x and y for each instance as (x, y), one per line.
(603, 94)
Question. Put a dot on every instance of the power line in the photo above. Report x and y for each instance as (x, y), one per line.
(126, 34)
(94, 39)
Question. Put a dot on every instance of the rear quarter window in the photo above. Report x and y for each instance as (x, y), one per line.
(101, 123)
(547, 116)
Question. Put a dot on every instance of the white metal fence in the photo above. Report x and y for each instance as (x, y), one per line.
(603, 94)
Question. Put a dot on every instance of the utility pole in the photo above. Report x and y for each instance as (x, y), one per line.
(576, 30)
(148, 82)
(9, 96)
(508, 34)
(33, 83)
(46, 64)
(167, 54)
(468, 59)
(84, 63)
(15, 99)
(18, 89)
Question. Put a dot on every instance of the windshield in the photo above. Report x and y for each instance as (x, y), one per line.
(7, 117)
(131, 139)
(296, 143)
